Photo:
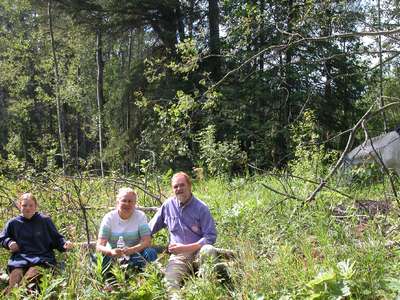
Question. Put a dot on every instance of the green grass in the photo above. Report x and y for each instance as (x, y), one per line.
(285, 250)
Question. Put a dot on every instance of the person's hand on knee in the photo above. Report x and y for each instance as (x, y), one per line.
(13, 246)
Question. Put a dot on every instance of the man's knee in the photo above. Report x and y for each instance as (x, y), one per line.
(209, 250)
(206, 252)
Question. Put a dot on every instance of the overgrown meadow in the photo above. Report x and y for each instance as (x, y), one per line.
(330, 248)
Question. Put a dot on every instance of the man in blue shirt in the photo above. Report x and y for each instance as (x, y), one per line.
(191, 228)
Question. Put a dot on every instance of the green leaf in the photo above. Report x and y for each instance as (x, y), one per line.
(322, 277)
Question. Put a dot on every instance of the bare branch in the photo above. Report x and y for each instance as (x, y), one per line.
(303, 179)
(280, 193)
(300, 40)
(368, 115)
(350, 142)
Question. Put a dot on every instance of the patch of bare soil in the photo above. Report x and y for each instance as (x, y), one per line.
(373, 207)
(362, 209)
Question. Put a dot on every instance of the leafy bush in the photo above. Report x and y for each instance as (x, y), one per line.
(331, 284)
(219, 157)
(310, 156)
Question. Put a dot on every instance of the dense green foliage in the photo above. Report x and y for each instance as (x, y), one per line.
(182, 84)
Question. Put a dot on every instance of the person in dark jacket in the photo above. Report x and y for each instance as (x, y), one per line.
(31, 238)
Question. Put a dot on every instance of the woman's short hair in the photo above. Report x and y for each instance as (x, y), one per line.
(126, 190)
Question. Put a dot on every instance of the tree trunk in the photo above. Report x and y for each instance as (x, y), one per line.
(330, 101)
(181, 24)
(191, 18)
(215, 43)
(100, 96)
(129, 96)
(130, 50)
(57, 93)
(381, 101)
(262, 35)
(284, 111)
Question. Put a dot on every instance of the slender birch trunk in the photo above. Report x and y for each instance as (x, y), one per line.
(381, 101)
(57, 93)
(100, 96)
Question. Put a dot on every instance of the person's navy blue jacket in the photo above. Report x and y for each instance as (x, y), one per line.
(36, 238)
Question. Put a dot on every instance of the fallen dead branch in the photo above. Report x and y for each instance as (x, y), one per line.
(278, 175)
(280, 193)
(350, 142)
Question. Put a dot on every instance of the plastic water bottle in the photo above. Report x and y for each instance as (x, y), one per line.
(121, 245)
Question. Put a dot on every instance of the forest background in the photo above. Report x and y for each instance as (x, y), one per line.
(254, 98)
(126, 85)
